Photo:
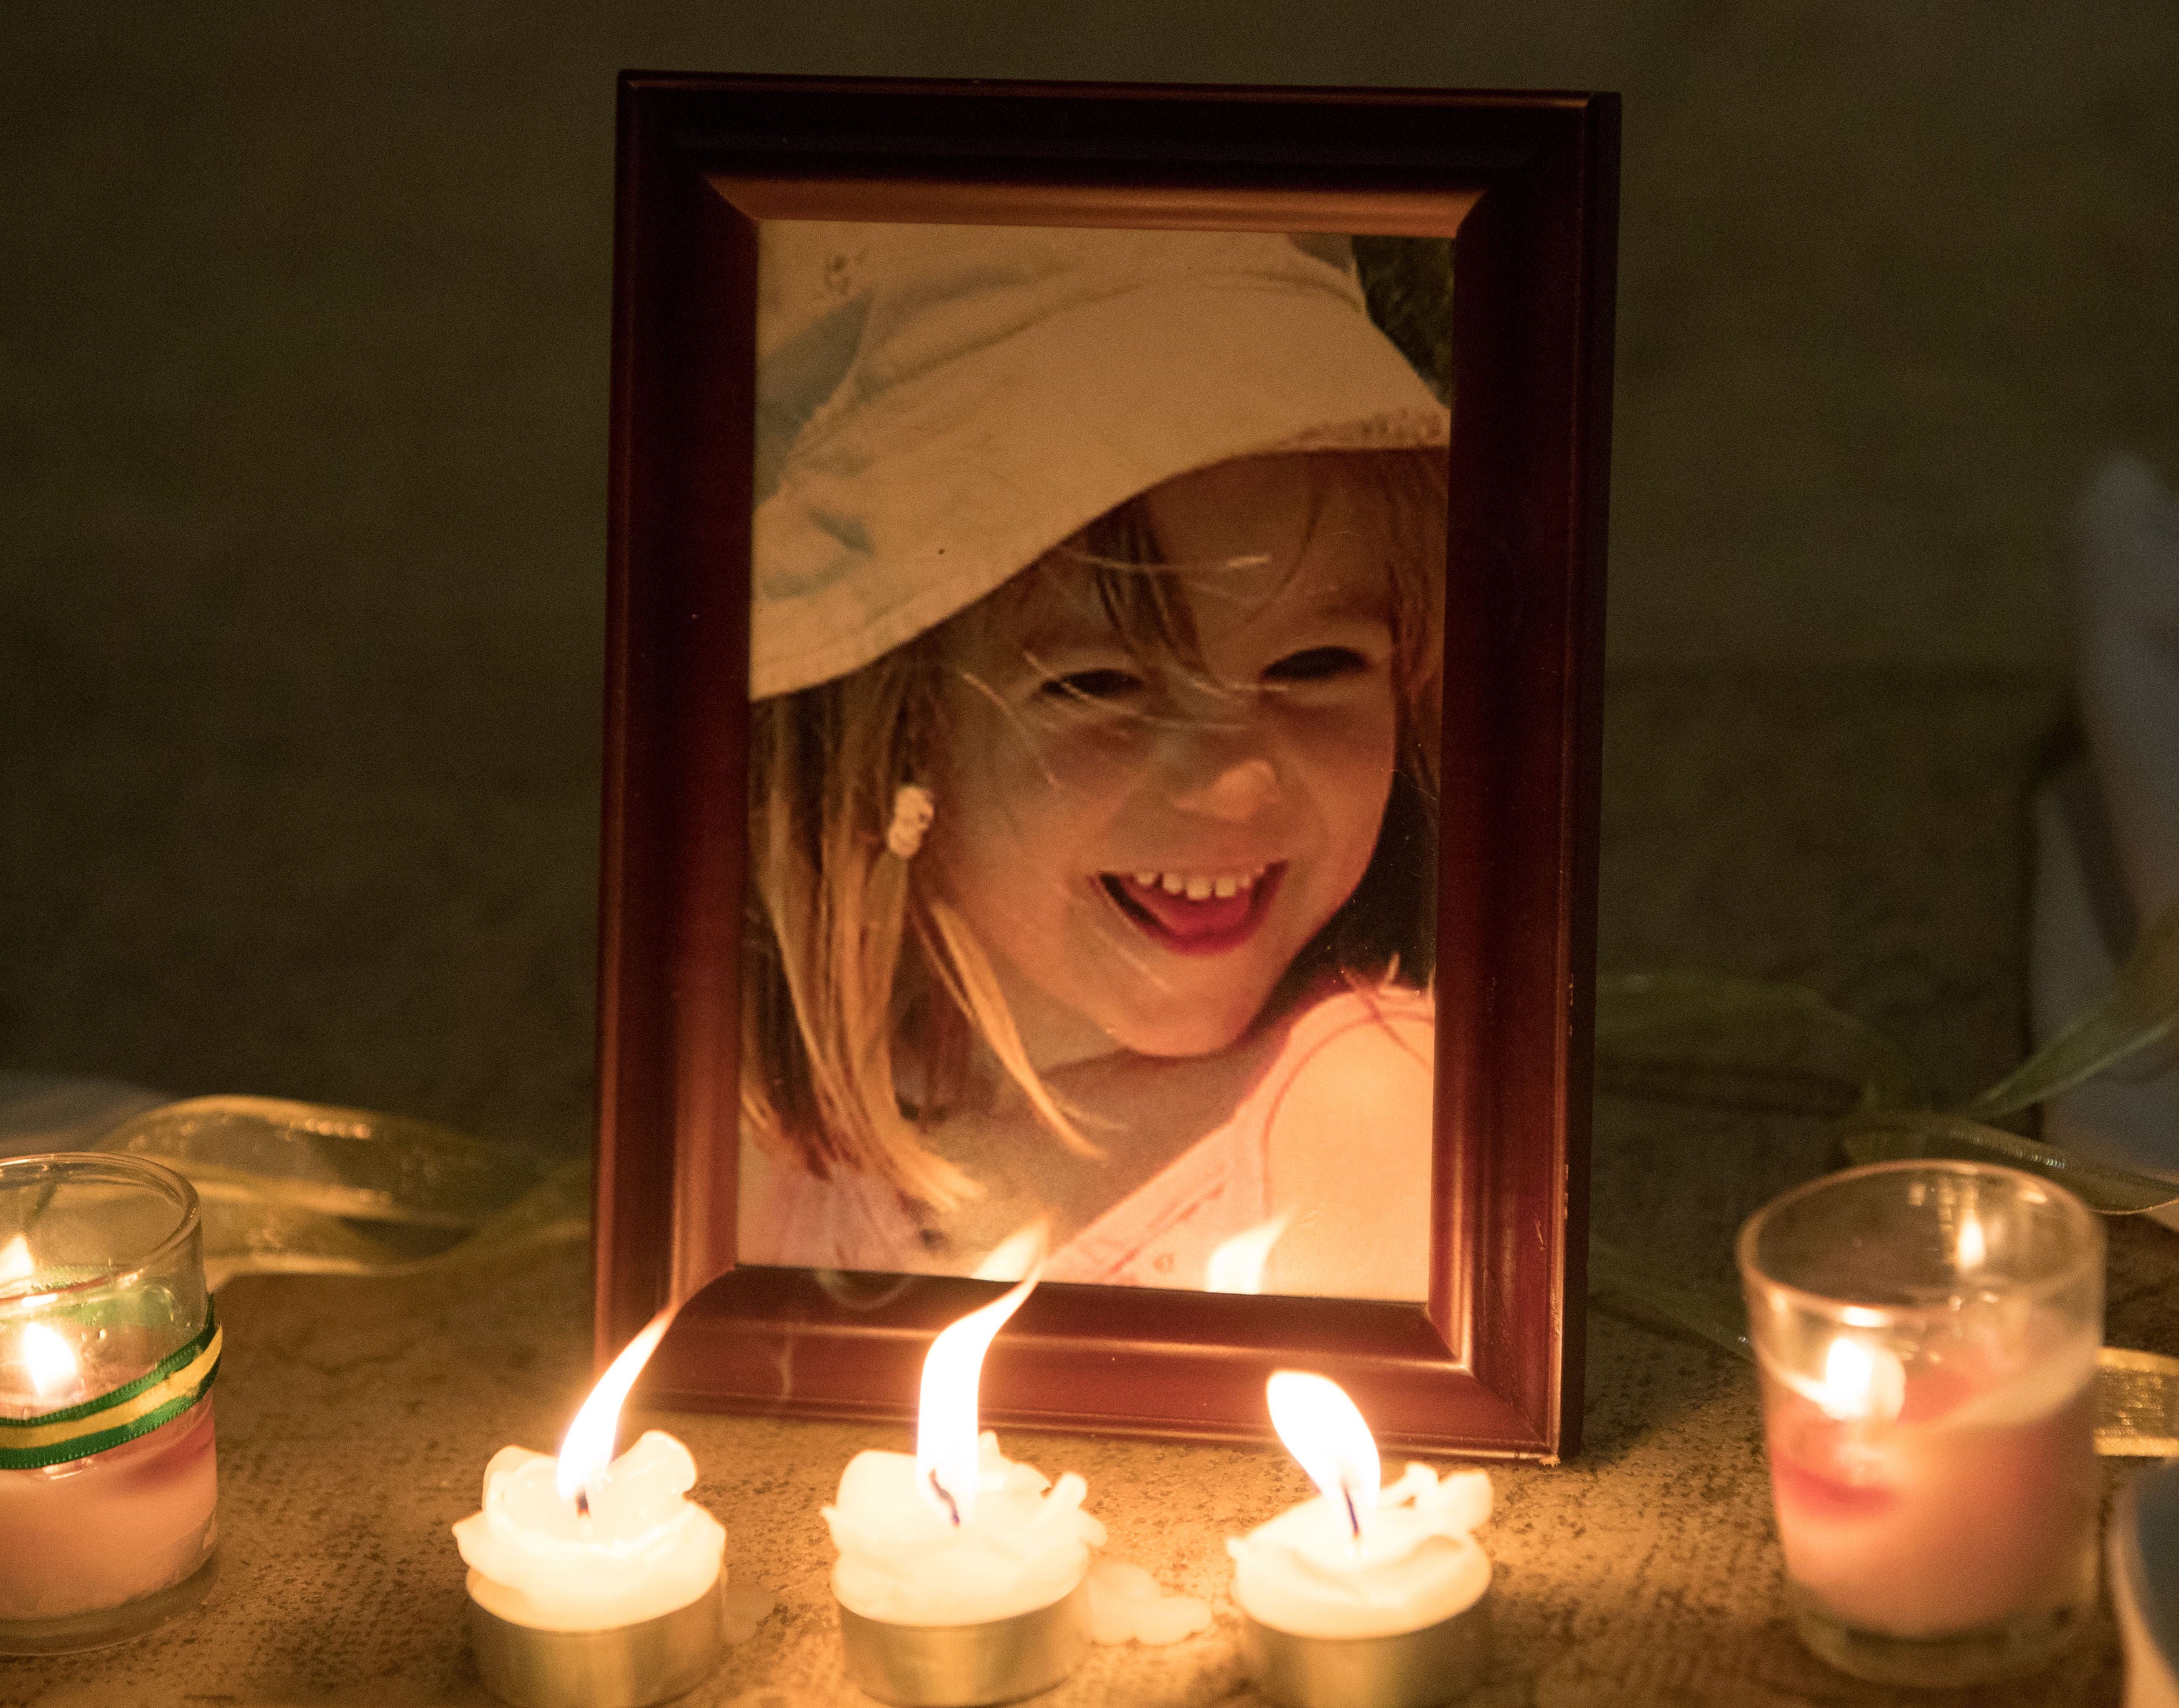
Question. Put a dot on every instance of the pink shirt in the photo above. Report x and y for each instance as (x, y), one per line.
(1161, 1234)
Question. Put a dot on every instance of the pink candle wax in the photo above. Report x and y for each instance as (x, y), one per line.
(110, 1528)
(1974, 1505)
(96, 1532)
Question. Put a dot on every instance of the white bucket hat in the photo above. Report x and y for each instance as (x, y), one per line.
(938, 406)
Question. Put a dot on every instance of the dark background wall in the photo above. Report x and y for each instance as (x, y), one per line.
(303, 352)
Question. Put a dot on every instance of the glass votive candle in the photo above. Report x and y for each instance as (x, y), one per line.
(107, 1351)
(1927, 1335)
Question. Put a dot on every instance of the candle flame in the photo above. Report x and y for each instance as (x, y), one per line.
(16, 1263)
(946, 1452)
(1237, 1265)
(587, 1449)
(1973, 1249)
(1862, 1381)
(1016, 1255)
(50, 1360)
(1326, 1433)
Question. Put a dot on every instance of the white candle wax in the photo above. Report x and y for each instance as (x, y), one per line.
(1415, 1563)
(1024, 1545)
(642, 1549)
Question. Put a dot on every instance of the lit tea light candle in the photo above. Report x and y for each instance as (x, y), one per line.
(1927, 1337)
(108, 1348)
(593, 1581)
(961, 1578)
(1366, 1594)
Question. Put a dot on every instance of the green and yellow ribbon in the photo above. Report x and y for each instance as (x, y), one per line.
(158, 1397)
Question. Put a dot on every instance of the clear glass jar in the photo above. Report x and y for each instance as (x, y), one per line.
(1927, 1334)
(108, 1346)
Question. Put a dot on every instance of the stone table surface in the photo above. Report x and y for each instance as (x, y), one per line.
(1863, 836)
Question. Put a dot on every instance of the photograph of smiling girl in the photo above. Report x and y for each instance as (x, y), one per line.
(1096, 634)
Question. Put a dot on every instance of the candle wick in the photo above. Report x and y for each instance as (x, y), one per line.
(952, 1506)
(1353, 1517)
(582, 1502)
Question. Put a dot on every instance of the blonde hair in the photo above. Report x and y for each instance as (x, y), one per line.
(847, 950)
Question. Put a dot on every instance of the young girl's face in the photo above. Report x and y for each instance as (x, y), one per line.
(1148, 845)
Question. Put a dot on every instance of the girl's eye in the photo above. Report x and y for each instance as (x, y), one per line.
(1091, 687)
(1318, 664)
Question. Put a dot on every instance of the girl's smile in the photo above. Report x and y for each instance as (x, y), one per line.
(1149, 840)
(1197, 912)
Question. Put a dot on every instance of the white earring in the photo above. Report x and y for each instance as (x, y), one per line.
(914, 807)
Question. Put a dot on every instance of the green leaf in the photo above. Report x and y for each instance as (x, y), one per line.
(2141, 1012)
(1892, 1136)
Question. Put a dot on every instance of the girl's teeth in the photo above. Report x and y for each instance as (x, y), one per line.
(1198, 886)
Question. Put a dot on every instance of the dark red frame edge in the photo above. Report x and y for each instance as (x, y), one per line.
(1536, 294)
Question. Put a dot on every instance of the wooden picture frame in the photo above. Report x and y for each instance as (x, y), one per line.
(1527, 185)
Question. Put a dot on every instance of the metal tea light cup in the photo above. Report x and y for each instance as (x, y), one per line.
(621, 1666)
(1409, 1669)
(967, 1666)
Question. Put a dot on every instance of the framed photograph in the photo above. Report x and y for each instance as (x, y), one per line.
(1105, 651)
